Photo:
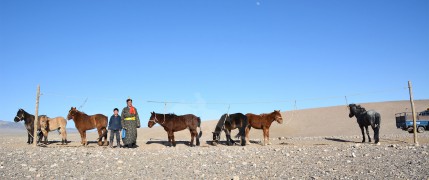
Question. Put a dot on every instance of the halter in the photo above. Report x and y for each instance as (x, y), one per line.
(156, 119)
(22, 117)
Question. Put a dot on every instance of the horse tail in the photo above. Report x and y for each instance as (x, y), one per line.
(377, 120)
(199, 125)
(103, 135)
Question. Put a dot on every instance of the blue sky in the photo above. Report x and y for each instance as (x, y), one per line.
(206, 52)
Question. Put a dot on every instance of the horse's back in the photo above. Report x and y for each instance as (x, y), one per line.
(100, 119)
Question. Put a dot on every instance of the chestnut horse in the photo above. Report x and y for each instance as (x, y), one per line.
(173, 123)
(83, 122)
(228, 122)
(263, 121)
(51, 124)
(28, 119)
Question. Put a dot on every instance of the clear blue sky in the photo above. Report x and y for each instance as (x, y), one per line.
(209, 51)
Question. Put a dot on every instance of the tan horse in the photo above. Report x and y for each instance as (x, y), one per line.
(51, 124)
(84, 122)
(263, 122)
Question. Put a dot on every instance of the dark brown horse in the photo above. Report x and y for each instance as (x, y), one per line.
(173, 123)
(28, 119)
(263, 121)
(228, 122)
(83, 122)
(366, 118)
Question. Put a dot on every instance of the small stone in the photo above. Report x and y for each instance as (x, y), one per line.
(54, 165)
(314, 177)
(32, 169)
(348, 161)
(287, 154)
(353, 155)
(235, 178)
(120, 162)
(278, 149)
(244, 163)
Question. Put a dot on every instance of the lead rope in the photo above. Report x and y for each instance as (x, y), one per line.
(165, 107)
(227, 114)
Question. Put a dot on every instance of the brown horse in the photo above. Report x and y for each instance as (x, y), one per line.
(50, 124)
(263, 122)
(228, 122)
(173, 123)
(83, 122)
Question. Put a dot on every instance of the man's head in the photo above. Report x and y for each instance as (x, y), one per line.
(129, 102)
(115, 111)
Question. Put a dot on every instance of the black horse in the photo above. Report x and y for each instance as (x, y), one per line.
(21, 115)
(229, 122)
(365, 119)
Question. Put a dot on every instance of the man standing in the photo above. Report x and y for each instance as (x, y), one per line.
(130, 122)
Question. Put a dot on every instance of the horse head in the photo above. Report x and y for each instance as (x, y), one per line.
(353, 110)
(72, 113)
(44, 123)
(278, 116)
(216, 136)
(19, 115)
(152, 120)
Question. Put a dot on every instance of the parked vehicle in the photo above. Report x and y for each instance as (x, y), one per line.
(404, 121)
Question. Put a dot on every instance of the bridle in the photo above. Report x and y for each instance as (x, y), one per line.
(155, 120)
(22, 116)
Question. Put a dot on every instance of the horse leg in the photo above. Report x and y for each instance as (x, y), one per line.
(172, 139)
(229, 141)
(264, 131)
(29, 140)
(169, 139)
(197, 137)
(247, 134)
(268, 136)
(192, 137)
(45, 135)
(85, 142)
(100, 136)
(376, 133)
(363, 133)
(64, 136)
(81, 137)
(367, 133)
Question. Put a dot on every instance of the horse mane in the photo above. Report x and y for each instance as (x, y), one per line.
(360, 108)
(82, 114)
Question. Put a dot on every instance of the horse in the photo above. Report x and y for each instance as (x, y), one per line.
(228, 122)
(173, 123)
(50, 124)
(84, 122)
(366, 118)
(28, 119)
(263, 121)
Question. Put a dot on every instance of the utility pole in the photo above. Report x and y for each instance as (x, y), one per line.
(36, 116)
(414, 114)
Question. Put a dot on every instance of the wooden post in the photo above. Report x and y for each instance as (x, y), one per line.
(414, 113)
(36, 116)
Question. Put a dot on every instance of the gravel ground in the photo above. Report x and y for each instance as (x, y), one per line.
(288, 158)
